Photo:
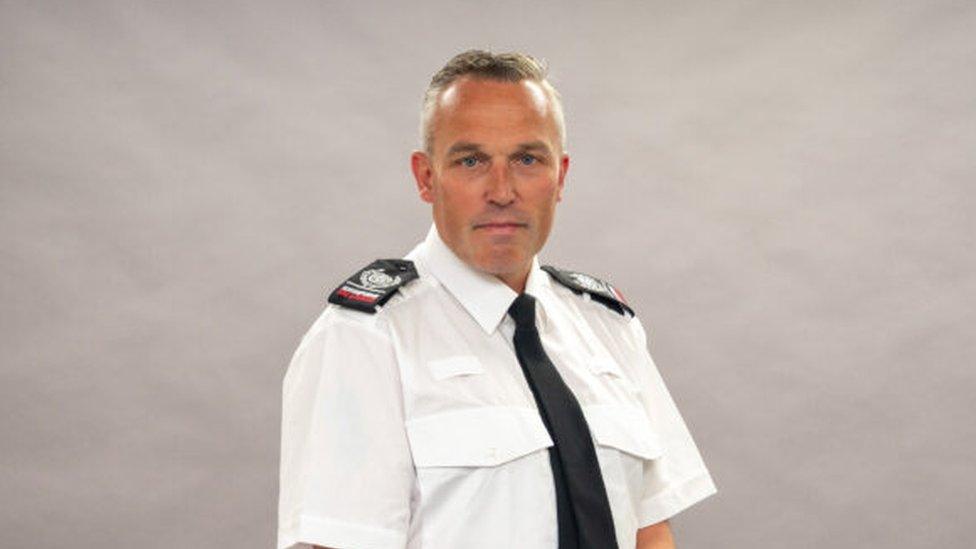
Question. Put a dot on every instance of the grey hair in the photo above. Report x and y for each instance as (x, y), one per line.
(502, 67)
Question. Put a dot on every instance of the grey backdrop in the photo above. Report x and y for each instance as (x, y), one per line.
(783, 191)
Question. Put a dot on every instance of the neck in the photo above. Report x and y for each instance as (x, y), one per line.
(516, 280)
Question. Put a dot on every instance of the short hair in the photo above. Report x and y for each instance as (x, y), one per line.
(501, 67)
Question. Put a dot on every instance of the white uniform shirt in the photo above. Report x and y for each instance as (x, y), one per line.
(415, 427)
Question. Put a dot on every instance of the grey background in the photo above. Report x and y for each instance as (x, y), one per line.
(783, 191)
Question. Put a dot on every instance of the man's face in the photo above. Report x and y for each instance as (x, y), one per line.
(495, 173)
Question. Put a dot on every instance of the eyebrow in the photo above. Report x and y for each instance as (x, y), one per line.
(467, 146)
(533, 145)
(463, 146)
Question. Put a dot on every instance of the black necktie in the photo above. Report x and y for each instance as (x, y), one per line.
(582, 506)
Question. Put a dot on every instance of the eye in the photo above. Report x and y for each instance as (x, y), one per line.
(468, 161)
(527, 160)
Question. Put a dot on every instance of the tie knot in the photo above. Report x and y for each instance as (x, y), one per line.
(522, 311)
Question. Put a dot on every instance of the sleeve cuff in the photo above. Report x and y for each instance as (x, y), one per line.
(330, 532)
(675, 499)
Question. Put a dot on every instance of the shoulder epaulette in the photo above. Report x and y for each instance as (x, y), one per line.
(374, 284)
(599, 290)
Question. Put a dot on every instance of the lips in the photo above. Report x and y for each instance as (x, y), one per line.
(499, 225)
(500, 228)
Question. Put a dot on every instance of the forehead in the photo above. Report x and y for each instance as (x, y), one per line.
(467, 92)
(476, 108)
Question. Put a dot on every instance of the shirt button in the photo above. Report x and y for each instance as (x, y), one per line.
(492, 452)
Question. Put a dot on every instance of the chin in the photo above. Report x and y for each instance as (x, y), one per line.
(500, 264)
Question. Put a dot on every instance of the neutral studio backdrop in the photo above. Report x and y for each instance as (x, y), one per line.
(783, 191)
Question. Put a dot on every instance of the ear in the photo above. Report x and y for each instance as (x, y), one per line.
(423, 174)
(563, 168)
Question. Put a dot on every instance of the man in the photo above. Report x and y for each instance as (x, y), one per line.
(464, 396)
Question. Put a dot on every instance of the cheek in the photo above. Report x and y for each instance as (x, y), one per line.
(545, 208)
(545, 197)
(456, 207)
(463, 199)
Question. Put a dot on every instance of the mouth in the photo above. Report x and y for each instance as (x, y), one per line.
(500, 227)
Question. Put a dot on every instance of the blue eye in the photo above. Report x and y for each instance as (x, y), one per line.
(527, 159)
(469, 161)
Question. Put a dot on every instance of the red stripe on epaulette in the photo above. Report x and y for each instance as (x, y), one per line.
(619, 295)
(357, 296)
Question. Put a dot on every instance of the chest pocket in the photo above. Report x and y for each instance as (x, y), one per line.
(626, 445)
(481, 473)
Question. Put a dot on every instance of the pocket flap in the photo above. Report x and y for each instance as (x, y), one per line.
(476, 437)
(624, 428)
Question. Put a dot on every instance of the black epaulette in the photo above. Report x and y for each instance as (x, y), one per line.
(599, 290)
(374, 285)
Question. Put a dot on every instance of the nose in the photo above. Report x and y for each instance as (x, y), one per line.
(501, 186)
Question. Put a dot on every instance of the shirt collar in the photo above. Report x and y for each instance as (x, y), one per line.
(484, 296)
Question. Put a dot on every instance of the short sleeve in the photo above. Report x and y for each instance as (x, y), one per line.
(678, 478)
(346, 474)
